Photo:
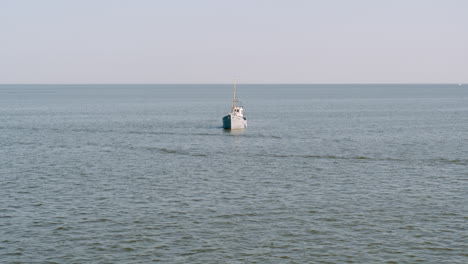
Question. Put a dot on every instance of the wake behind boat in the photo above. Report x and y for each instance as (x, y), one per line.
(235, 119)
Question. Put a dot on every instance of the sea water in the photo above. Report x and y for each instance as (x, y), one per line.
(145, 173)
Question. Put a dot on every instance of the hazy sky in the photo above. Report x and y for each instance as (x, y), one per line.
(209, 41)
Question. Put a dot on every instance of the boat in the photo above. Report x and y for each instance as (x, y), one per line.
(235, 119)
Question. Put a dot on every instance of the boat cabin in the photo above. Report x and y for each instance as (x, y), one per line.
(238, 110)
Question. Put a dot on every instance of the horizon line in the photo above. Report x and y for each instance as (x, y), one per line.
(396, 83)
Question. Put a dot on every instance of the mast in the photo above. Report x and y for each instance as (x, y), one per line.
(234, 98)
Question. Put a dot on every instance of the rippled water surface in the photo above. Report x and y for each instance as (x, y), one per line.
(323, 174)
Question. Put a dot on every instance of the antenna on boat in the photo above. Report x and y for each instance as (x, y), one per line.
(234, 98)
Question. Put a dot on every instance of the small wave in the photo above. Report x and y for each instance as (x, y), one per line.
(171, 133)
(452, 161)
(440, 249)
(328, 219)
(462, 162)
(363, 158)
(262, 136)
(100, 220)
(13, 254)
(205, 134)
(171, 151)
(280, 156)
(86, 130)
(175, 152)
(323, 157)
(199, 250)
(151, 133)
(336, 157)
(162, 150)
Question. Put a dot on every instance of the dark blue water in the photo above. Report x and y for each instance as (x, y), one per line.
(144, 173)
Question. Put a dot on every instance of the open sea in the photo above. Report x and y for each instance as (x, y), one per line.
(145, 173)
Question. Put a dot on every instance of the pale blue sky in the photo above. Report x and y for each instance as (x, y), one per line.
(209, 41)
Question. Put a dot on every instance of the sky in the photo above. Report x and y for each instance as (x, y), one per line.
(210, 41)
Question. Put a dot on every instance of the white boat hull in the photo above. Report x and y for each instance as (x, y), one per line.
(234, 122)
